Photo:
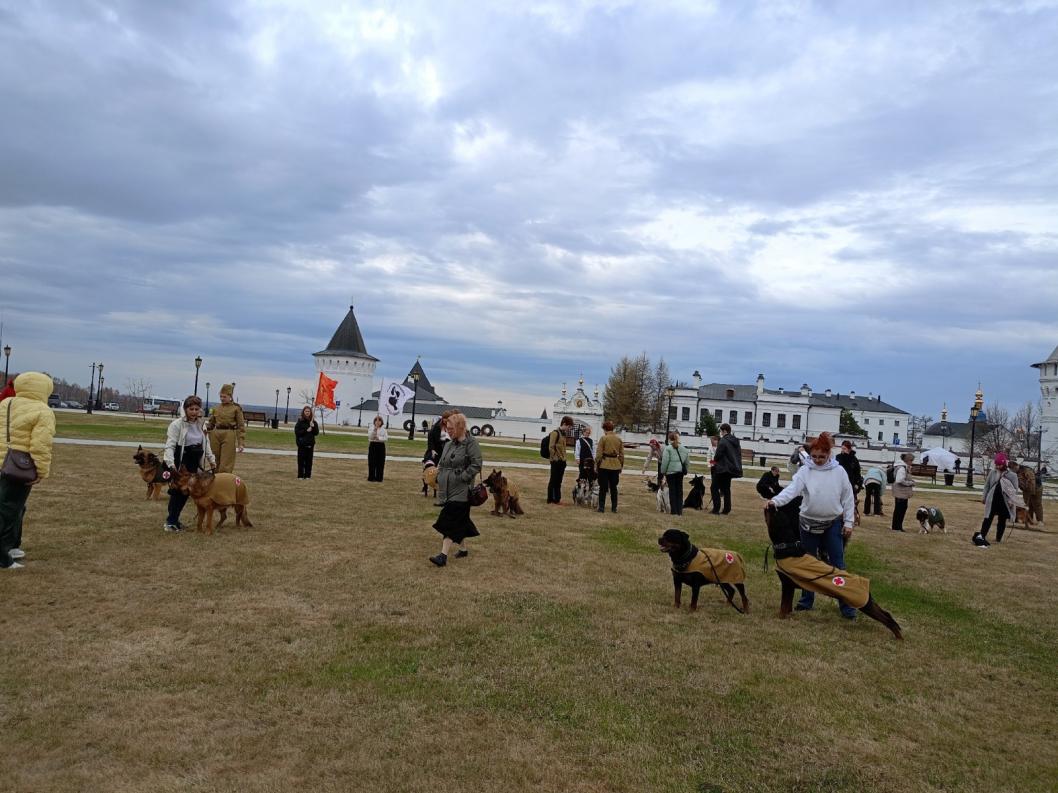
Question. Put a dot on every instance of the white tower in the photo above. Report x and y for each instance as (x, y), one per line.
(1049, 406)
(346, 360)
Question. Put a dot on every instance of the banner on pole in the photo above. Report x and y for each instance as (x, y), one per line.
(392, 396)
(325, 392)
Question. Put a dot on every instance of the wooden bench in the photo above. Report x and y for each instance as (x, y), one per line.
(747, 456)
(918, 469)
(255, 415)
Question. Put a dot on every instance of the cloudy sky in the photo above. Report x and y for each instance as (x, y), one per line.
(853, 195)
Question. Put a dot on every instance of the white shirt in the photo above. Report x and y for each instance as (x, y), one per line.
(377, 434)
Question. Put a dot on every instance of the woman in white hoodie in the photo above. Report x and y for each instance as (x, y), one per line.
(828, 509)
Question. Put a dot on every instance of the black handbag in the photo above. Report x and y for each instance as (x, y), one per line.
(18, 466)
(477, 494)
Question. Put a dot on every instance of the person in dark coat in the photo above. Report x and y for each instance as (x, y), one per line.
(434, 441)
(305, 432)
(727, 465)
(847, 460)
(460, 463)
(769, 486)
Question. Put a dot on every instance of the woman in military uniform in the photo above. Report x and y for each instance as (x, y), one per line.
(227, 430)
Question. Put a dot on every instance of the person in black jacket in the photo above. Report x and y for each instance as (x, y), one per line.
(435, 444)
(769, 486)
(727, 465)
(305, 432)
(846, 458)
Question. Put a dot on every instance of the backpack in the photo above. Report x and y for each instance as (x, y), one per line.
(890, 474)
(545, 445)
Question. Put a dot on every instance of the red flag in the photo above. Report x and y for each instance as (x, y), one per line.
(325, 392)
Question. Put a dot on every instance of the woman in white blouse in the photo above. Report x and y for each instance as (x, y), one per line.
(376, 450)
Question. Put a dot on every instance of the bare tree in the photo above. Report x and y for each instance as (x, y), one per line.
(660, 379)
(1022, 427)
(139, 389)
(993, 435)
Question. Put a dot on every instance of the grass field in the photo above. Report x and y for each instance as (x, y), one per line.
(321, 651)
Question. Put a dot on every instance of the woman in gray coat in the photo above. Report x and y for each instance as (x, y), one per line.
(460, 463)
(1001, 487)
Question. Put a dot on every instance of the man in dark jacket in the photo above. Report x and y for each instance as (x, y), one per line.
(769, 486)
(727, 465)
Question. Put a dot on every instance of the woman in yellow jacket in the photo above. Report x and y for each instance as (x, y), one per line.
(28, 425)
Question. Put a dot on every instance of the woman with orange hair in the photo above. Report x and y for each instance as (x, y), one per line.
(828, 510)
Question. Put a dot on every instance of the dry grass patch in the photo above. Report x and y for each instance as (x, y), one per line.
(321, 651)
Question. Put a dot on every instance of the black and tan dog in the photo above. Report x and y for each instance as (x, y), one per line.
(504, 495)
(153, 471)
(696, 497)
(798, 569)
(696, 567)
(211, 492)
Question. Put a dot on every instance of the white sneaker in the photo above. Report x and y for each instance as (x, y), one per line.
(16, 553)
(14, 566)
(170, 527)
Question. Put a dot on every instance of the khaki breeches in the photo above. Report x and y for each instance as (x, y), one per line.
(223, 443)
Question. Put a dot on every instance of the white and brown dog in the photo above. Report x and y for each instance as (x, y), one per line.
(661, 493)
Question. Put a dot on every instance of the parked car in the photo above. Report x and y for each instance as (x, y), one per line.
(54, 401)
(73, 403)
(111, 406)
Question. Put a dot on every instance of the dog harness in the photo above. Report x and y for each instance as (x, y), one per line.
(815, 575)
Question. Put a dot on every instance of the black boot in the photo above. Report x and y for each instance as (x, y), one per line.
(440, 560)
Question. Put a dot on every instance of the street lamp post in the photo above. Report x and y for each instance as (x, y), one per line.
(974, 411)
(360, 415)
(91, 389)
(286, 410)
(207, 398)
(945, 430)
(414, 397)
(670, 392)
(99, 389)
(275, 416)
(7, 362)
(198, 365)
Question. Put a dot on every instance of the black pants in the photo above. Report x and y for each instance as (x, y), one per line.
(675, 482)
(191, 458)
(719, 487)
(1000, 512)
(874, 493)
(13, 496)
(608, 484)
(554, 484)
(376, 461)
(305, 462)
(899, 510)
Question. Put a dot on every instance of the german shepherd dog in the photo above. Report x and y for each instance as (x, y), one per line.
(796, 568)
(696, 567)
(153, 471)
(211, 492)
(504, 495)
(696, 497)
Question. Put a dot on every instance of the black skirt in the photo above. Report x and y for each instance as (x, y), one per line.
(454, 521)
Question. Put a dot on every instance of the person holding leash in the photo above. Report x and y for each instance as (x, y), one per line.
(1001, 489)
(305, 432)
(584, 451)
(609, 462)
(185, 445)
(556, 446)
(727, 465)
(460, 463)
(227, 430)
(27, 424)
(828, 511)
(903, 489)
(674, 462)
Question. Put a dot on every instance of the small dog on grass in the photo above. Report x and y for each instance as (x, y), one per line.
(586, 493)
(696, 497)
(152, 471)
(930, 518)
(211, 492)
(429, 478)
(798, 569)
(696, 567)
(504, 495)
(660, 489)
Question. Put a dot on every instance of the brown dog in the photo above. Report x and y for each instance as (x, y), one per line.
(153, 471)
(212, 491)
(504, 495)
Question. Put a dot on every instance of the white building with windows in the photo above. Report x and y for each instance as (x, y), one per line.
(1048, 440)
(758, 413)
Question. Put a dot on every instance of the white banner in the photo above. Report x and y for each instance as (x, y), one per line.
(391, 397)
